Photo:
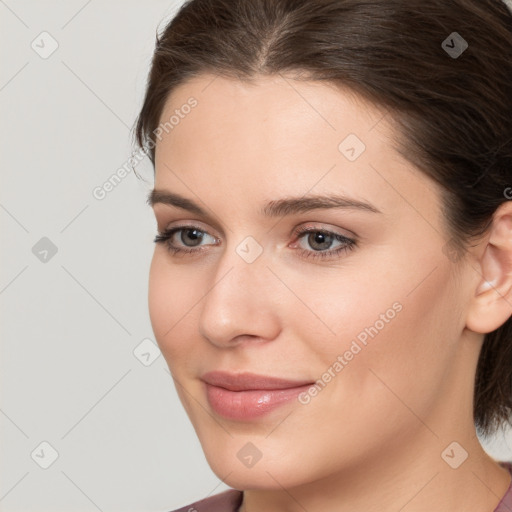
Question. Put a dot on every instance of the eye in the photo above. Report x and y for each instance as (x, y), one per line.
(181, 240)
(321, 240)
(190, 236)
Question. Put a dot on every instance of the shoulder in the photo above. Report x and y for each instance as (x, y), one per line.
(227, 501)
(505, 505)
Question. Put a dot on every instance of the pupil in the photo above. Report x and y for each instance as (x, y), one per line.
(316, 239)
(196, 236)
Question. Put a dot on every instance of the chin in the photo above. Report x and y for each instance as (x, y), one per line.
(244, 479)
(263, 475)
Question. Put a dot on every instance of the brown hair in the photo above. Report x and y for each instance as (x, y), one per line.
(454, 110)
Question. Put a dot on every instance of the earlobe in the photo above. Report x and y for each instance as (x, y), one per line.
(491, 305)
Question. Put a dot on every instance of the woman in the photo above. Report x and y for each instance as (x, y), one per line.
(332, 281)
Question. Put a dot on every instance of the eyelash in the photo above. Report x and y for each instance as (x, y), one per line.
(349, 244)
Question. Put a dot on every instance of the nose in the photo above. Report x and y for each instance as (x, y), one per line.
(241, 305)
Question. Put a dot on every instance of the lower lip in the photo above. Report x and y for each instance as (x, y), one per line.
(248, 405)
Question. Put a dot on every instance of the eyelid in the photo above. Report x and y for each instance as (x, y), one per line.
(329, 228)
(180, 217)
(179, 224)
(296, 231)
(320, 225)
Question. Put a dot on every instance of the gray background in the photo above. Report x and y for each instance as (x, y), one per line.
(73, 371)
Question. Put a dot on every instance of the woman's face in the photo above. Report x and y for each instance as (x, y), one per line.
(374, 316)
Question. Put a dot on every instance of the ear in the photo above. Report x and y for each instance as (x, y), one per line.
(491, 305)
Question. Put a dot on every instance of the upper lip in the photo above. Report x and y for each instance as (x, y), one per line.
(247, 381)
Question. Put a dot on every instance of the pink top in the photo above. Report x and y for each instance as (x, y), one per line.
(231, 499)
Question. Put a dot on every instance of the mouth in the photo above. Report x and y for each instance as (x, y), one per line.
(247, 396)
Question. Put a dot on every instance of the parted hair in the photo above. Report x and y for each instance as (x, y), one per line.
(441, 69)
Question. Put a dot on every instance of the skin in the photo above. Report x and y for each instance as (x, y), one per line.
(372, 439)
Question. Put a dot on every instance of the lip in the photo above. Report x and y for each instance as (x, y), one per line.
(250, 381)
(247, 396)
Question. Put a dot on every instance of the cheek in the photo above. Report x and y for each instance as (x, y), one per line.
(377, 319)
(171, 298)
(334, 310)
(393, 341)
(159, 294)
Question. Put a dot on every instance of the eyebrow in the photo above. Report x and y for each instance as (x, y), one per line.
(275, 208)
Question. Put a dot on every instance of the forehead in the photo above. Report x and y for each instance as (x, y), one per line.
(267, 104)
(278, 136)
